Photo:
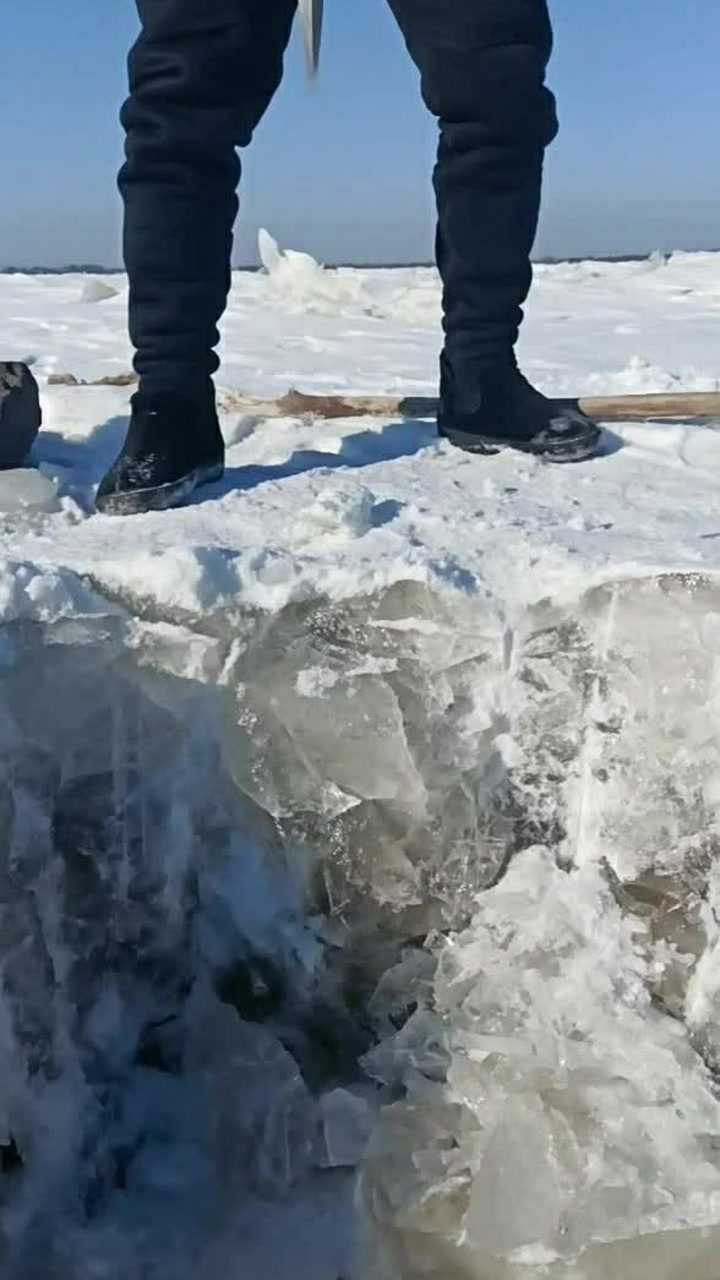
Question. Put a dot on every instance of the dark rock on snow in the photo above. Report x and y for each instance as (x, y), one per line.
(20, 414)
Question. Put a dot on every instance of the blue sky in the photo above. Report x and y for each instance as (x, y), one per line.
(342, 168)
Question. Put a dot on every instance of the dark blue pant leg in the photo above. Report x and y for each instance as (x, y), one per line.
(483, 65)
(201, 76)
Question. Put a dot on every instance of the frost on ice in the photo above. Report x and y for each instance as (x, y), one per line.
(459, 902)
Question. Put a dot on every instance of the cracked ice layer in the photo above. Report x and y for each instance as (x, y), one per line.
(252, 873)
(560, 1118)
(209, 853)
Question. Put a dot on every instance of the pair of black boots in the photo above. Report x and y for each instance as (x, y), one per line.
(174, 443)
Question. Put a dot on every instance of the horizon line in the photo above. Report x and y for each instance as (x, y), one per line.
(96, 269)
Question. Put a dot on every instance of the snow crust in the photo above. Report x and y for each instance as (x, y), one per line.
(376, 794)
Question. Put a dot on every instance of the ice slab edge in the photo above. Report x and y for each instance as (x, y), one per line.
(256, 866)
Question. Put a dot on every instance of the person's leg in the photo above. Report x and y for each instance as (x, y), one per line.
(202, 74)
(483, 64)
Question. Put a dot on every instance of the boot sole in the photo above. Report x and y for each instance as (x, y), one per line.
(162, 497)
(487, 446)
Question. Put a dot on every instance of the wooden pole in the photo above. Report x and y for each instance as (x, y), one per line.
(297, 404)
(676, 405)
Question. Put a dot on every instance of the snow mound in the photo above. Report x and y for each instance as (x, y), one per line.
(97, 291)
(303, 284)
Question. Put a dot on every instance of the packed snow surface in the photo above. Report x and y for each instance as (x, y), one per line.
(359, 888)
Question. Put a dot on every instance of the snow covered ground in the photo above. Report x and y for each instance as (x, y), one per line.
(367, 691)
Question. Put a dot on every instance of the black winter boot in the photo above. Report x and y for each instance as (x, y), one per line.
(173, 445)
(486, 410)
(20, 415)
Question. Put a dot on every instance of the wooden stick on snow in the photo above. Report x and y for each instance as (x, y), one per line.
(296, 404)
(682, 404)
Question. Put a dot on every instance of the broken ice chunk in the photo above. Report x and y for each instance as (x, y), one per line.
(263, 1115)
(338, 513)
(517, 1197)
(25, 490)
(418, 1050)
(97, 291)
(346, 1123)
(402, 989)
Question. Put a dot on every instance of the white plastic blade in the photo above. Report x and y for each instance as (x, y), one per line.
(311, 12)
